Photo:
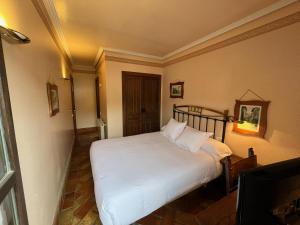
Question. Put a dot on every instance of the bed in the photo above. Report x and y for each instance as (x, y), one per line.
(134, 176)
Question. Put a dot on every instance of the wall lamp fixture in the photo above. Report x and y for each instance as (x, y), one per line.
(12, 36)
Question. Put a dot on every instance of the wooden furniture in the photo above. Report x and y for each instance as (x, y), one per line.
(233, 165)
(141, 103)
(223, 212)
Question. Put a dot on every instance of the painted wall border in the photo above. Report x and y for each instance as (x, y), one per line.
(274, 25)
(133, 61)
(53, 28)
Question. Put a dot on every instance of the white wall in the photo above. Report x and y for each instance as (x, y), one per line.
(85, 100)
(44, 143)
(114, 93)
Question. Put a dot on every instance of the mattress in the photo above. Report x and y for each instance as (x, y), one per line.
(134, 176)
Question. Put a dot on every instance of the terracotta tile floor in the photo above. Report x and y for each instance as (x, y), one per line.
(79, 206)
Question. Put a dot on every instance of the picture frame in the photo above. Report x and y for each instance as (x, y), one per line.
(53, 100)
(250, 117)
(176, 90)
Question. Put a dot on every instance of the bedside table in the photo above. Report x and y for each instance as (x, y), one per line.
(233, 165)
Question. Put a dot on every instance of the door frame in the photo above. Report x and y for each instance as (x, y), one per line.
(137, 74)
(14, 179)
(97, 88)
(73, 105)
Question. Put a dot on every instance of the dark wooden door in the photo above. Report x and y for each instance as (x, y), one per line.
(141, 103)
(150, 104)
(73, 105)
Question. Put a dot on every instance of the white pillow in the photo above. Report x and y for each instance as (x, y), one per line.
(216, 148)
(173, 129)
(192, 139)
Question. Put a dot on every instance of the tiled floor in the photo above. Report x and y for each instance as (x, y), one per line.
(79, 207)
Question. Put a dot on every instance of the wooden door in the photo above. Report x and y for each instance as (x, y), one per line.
(73, 105)
(141, 103)
(150, 104)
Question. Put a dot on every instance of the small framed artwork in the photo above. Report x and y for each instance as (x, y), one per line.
(250, 117)
(53, 102)
(176, 90)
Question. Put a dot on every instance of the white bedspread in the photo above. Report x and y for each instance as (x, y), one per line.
(136, 175)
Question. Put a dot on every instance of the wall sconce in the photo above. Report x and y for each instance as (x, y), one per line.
(65, 77)
(12, 36)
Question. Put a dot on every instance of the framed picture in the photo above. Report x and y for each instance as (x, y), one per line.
(53, 102)
(250, 117)
(176, 90)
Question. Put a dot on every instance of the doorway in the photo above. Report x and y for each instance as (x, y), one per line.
(141, 102)
(73, 105)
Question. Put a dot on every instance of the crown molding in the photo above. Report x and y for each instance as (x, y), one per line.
(83, 69)
(165, 60)
(265, 11)
(132, 53)
(48, 14)
(133, 61)
(98, 56)
(274, 25)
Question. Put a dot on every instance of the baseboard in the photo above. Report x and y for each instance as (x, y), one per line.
(87, 130)
(63, 186)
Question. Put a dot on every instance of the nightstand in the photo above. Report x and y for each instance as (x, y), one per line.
(233, 165)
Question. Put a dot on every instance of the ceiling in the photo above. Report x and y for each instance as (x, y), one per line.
(154, 27)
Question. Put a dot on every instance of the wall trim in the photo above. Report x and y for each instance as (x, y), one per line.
(274, 25)
(132, 53)
(84, 71)
(260, 13)
(133, 61)
(49, 17)
(271, 26)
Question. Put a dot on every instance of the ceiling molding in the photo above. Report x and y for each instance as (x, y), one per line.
(265, 11)
(274, 25)
(83, 69)
(268, 27)
(132, 53)
(98, 56)
(133, 61)
(165, 60)
(48, 14)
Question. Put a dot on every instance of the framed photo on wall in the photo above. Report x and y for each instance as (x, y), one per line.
(52, 92)
(176, 90)
(250, 117)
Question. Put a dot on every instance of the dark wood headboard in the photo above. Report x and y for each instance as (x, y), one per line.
(203, 118)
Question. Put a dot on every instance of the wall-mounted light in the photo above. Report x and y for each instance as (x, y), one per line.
(13, 36)
(65, 78)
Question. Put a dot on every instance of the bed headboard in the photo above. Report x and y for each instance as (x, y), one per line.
(202, 118)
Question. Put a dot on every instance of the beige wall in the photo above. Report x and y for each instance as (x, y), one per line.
(44, 143)
(85, 100)
(267, 64)
(114, 93)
